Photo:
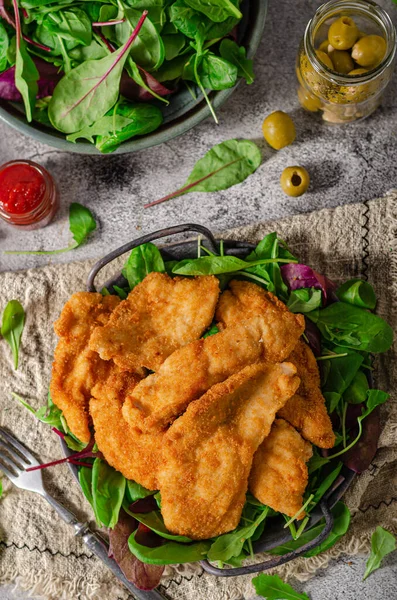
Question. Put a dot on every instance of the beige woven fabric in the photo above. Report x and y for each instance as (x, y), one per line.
(39, 551)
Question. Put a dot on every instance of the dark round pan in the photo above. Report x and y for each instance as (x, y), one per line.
(274, 534)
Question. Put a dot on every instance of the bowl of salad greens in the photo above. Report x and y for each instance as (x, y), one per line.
(344, 334)
(122, 75)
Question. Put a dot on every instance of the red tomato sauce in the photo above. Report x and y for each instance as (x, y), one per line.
(22, 188)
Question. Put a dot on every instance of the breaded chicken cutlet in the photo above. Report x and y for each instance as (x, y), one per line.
(208, 451)
(159, 316)
(76, 368)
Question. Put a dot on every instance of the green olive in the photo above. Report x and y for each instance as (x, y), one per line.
(358, 71)
(325, 59)
(278, 130)
(343, 33)
(342, 61)
(308, 100)
(324, 46)
(369, 51)
(294, 181)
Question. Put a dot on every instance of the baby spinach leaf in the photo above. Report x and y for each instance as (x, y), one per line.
(1, 488)
(13, 322)
(304, 300)
(155, 522)
(4, 43)
(338, 375)
(356, 392)
(216, 10)
(169, 553)
(237, 56)
(135, 491)
(382, 544)
(143, 260)
(231, 544)
(216, 265)
(85, 480)
(140, 119)
(225, 165)
(357, 292)
(274, 588)
(216, 73)
(353, 327)
(326, 483)
(211, 331)
(81, 224)
(108, 487)
(73, 25)
(173, 45)
(86, 93)
(190, 22)
(26, 73)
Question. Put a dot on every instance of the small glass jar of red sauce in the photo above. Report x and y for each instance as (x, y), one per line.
(28, 195)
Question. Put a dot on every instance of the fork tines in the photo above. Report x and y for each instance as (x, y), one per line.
(14, 457)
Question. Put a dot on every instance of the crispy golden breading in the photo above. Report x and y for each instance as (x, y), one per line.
(208, 451)
(248, 301)
(159, 316)
(279, 473)
(136, 455)
(306, 410)
(192, 370)
(76, 368)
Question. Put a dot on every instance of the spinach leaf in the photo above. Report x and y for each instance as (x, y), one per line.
(12, 325)
(357, 292)
(26, 73)
(216, 265)
(342, 517)
(353, 327)
(143, 260)
(215, 72)
(86, 93)
(155, 522)
(108, 487)
(225, 165)
(231, 544)
(190, 22)
(274, 588)
(382, 544)
(123, 294)
(211, 331)
(169, 553)
(339, 374)
(304, 300)
(85, 480)
(148, 49)
(1, 488)
(135, 491)
(94, 51)
(4, 44)
(142, 119)
(356, 392)
(73, 25)
(326, 483)
(237, 56)
(173, 45)
(216, 10)
(105, 126)
(81, 224)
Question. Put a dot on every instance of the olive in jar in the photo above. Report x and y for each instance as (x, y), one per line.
(369, 50)
(343, 33)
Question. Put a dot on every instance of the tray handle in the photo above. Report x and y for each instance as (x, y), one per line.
(278, 560)
(150, 237)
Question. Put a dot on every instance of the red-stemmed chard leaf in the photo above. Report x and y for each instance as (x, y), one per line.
(298, 276)
(49, 77)
(73, 458)
(132, 91)
(144, 576)
(359, 458)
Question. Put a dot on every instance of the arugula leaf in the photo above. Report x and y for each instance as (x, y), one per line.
(108, 487)
(81, 224)
(382, 544)
(357, 292)
(143, 260)
(224, 166)
(231, 544)
(169, 553)
(237, 56)
(274, 588)
(12, 325)
(304, 300)
(353, 327)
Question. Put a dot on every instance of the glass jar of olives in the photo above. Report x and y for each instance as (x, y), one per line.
(345, 60)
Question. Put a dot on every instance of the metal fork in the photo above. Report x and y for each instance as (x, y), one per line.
(14, 459)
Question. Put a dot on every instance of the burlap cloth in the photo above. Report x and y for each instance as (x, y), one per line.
(40, 552)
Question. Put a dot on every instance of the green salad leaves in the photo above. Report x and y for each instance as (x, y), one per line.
(13, 322)
(274, 588)
(382, 544)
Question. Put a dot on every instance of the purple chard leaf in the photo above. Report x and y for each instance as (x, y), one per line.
(298, 276)
(49, 77)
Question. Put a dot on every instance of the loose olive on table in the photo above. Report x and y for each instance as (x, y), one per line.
(294, 181)
(278, 130)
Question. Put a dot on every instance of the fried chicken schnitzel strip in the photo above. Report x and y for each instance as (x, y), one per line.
(192, 370)
(76, 368)
(306, 410)
(159, 316)
(208, 451)
(136, 455)
(279, 473)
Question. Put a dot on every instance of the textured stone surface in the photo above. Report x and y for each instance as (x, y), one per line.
(347, 164)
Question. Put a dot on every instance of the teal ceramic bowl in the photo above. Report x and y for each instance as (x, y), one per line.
(182, 113)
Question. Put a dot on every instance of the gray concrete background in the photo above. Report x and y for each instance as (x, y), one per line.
(347, 164)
